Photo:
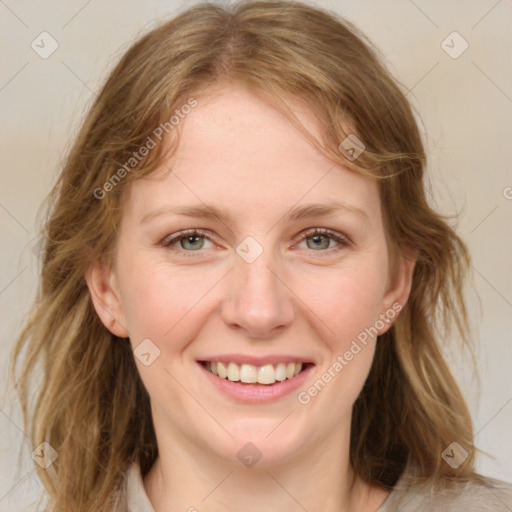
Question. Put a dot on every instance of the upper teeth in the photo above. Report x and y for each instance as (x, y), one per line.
(250, 374)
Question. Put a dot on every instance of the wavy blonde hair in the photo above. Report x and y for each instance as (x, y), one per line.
(91, 405)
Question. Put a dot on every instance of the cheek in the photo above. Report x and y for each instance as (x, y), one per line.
(159, 300)
(347, 301)
(347, 304)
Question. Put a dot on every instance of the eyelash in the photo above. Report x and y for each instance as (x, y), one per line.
(341, 240)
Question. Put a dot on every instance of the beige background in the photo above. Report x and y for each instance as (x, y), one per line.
(465, 102)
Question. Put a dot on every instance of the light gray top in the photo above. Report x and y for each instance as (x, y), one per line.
(406, 496)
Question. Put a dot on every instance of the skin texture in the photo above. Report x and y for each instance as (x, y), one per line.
(302, 296)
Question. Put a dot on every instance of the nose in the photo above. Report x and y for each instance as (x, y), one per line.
(258, 302)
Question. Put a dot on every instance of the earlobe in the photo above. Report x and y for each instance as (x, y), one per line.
(105, 298)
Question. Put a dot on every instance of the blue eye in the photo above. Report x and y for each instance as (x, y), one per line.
(317, 240)
(189, 241)
(322, 238)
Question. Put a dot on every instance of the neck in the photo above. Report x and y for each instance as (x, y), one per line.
(187, 477)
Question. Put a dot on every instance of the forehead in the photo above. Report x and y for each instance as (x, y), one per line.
(237, 151)
(231, 120)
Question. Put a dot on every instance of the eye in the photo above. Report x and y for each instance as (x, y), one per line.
(320, 239)
(189, 241)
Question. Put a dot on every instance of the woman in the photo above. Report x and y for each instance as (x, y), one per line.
(244, 290)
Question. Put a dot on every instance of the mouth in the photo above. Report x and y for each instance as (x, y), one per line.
(266, 374)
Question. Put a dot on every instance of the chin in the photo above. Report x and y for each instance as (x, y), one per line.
(262, 447)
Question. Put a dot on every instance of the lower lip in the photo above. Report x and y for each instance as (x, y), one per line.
(257, 393)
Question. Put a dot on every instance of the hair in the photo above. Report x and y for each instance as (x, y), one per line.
(91, 405)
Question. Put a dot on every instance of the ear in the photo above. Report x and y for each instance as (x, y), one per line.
(102, 285)
(399, 286)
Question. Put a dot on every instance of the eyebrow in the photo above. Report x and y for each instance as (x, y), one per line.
(307, 211)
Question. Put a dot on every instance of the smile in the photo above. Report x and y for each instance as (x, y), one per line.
(251, 374)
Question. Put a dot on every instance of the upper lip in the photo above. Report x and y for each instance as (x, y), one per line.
(256, 361)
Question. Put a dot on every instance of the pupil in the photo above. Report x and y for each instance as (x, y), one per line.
(317, 240)
(194, 241)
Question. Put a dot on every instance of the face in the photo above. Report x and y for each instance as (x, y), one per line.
(288, 264)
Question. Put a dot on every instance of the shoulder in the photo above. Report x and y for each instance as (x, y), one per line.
(477, 495)
(135, 498)
(482, 494)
